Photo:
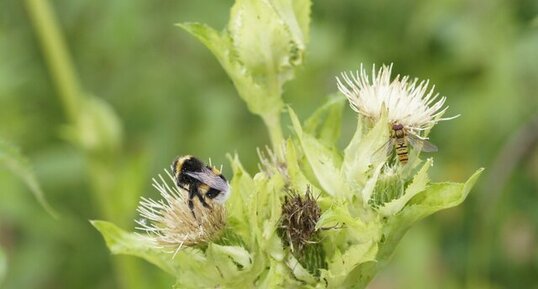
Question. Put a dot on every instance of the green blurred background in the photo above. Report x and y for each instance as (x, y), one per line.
(172, 97)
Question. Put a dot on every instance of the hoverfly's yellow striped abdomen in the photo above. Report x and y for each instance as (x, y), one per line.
(402, 150)
(400, 143)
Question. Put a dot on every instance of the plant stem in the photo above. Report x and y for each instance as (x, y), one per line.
(272, 122)
(72, 98)
(56, 55)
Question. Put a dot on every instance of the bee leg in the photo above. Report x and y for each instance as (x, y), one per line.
(202, 200)
(191, 206)
(192, 192)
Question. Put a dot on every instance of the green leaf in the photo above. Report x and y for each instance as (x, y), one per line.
(272, 55)
(237, 204)
(365, 151)
(259, 63)
(324, 124)
(13, 159)
(190, 266)
(418, 185)
(231, 262)
(436, 197)
(352, 226)
(298, 270)
(121, 242)
(297, 180)
(255, 94)
(342, 264)
(369, 187)
(218, 43)
(324, 163)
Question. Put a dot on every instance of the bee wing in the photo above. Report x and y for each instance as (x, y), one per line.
(209, 178)
(421, 144)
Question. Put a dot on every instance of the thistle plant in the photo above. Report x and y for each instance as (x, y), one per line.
(314, 215)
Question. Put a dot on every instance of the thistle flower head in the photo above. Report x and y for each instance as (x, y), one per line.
(169, 222)
(300, 215)
(411, 103)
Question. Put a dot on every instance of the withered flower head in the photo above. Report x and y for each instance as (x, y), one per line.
(300, 213)
(169, 222)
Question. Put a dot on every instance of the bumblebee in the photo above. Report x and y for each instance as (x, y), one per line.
(200, 181)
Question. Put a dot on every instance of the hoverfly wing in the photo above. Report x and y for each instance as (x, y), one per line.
(207, 177)
(421, 144)
(384, 150)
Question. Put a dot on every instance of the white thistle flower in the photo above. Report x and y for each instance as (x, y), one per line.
(169, 223)
(409, 103)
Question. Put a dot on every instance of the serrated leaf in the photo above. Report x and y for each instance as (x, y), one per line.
(419, 183)
(238, 254)
(342, 264)
(297, 18)
(352, 226)
(297, 179)
(324, 163)
(365, 151)
(14, 160)
(218, 43)
(324, 124)
(237, 205)
(119, 241)
(368, 189)
(259, 63)
(436, 197)
(273, 54)
(299, 271)
(190, 266)
(230, 261)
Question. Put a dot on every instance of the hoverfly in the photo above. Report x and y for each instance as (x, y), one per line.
(400, 139)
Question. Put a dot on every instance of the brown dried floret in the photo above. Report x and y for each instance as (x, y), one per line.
(300, 214)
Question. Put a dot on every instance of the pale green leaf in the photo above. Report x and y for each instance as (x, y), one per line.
(238, 254)
(365, 151)
(352, 226)
(297, 18)
(297, 180)
(121, 242)
(324, 163)
(14, 160)
(218, 43)
(342, 264)
(190, 265)
(419, 183)
(273, 277)
(229, 261)
(370, 185)
(254, 93)
(299, 271)
(324, 124)
(272, 55)
(239, 204)
(352, 149)
(259, 63)
(436, 197)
